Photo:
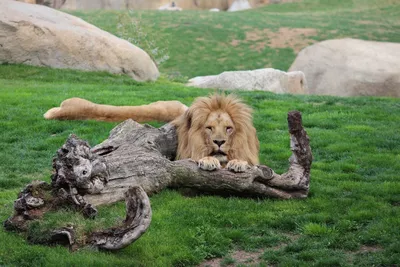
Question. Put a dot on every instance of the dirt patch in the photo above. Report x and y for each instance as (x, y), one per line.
(256, 35)
(235, 42)
(237, 257)
(366, 22)
(241, 257)
(395, 203)
(367, 249)
(362, 250)
(295, 38)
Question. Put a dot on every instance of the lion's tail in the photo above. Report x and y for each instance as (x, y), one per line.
(81, 109)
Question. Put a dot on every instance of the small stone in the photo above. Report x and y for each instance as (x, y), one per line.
(34, 202)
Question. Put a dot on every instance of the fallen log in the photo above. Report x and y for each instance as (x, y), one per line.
(136, 161)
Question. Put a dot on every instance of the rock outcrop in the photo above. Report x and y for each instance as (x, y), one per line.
(239, 5)
(40, 36)
(271, 80)
(351, 67)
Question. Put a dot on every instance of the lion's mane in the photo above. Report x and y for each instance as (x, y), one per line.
(190, 129)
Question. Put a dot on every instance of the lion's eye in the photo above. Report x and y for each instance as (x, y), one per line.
(229, 129)
(209, 128)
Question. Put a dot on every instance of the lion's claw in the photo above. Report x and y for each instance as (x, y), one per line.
(209, 164)
(236, 165)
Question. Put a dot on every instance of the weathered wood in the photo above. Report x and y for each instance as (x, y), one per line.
(138, 218)
(141, 157)
(34, 201)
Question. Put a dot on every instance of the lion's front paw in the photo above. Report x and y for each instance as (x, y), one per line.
(236, 165)
(209, 164)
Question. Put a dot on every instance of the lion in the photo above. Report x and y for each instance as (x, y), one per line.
(216, 131)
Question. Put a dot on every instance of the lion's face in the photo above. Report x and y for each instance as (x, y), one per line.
(218, 133)
(219, 126)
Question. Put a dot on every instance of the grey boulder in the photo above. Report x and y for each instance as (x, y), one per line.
(351, 67)
(41, 36)
(271, 80)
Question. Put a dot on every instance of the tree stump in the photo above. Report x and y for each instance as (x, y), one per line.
(136, 161)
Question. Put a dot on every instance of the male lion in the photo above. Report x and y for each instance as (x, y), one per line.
(215, 131)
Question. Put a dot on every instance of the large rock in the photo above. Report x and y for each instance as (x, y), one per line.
(41, 36)
(271, 80)
(239, 5)
(351, 67)
(49, 3)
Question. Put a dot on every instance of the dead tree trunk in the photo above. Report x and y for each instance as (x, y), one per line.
(140, 157)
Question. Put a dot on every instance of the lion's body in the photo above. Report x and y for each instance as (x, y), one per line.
(214, 131)
(218, 112)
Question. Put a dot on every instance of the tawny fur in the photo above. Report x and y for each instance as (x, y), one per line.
(81, 109)
(241, 145)
(244, 144)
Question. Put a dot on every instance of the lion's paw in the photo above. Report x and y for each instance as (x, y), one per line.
(209, 164)
(236, 165)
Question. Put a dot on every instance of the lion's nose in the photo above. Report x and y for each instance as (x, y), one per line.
(219, 142)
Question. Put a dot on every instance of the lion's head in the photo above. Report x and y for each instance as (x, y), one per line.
(219, 126)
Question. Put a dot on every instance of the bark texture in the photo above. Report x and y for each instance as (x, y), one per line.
(137, 160)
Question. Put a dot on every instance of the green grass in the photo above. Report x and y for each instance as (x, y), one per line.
(352, 215)
(205, 43)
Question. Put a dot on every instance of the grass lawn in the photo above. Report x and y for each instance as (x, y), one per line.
(352, 215)
(205, 43)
